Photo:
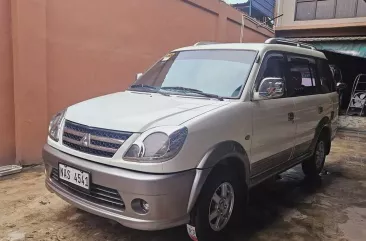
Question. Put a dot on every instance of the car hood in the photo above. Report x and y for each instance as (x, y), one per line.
(137, 112)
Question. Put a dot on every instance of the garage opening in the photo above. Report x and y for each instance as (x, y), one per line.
(348, 55)
(350, 67)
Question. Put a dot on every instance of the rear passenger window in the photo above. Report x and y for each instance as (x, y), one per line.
(326, 77)
(307, 79)
(302, 80)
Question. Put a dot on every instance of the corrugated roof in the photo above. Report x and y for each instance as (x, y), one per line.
(353, 46)
(330, 39)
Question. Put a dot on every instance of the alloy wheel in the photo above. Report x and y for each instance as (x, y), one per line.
(221, 206)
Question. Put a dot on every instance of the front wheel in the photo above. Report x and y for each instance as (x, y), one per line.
(221, 196)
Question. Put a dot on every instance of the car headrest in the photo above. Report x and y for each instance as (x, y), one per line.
(296, 79)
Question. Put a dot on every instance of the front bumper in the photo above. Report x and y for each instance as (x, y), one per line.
(167, 194)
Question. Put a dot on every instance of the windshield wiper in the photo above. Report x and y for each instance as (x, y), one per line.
(148, 88)
(190, 90)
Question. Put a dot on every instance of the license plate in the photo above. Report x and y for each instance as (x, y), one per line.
(74, 176)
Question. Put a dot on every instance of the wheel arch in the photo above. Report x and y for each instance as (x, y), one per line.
(230, 154)
(323, 128)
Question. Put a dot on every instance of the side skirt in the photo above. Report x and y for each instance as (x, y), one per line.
(258, 178)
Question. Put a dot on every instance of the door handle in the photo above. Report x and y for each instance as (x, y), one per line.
(320, 109)
(291, 116)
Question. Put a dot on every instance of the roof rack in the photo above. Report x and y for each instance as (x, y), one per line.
(204, 43)
(289, 42)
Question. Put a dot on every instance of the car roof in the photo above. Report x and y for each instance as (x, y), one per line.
(261, 47)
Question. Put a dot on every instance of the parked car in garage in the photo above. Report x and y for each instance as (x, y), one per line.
(185, 143)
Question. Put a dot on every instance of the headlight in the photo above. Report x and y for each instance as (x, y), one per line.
(157, 146)
(55, 125)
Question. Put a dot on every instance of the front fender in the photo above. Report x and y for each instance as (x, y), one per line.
(214, 156)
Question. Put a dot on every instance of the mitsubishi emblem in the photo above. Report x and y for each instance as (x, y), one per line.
(85, 141)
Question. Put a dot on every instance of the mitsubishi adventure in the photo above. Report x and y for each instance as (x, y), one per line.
(185, 143)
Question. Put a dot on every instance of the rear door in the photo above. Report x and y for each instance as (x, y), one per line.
(310, 103)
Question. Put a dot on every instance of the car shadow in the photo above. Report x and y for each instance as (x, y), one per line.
(269, 200)
(267, 204)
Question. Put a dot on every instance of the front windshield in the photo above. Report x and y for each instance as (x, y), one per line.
(216, 72)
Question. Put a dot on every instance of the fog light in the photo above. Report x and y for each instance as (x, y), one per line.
(140, 206)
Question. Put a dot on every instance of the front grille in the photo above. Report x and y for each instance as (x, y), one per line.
(91, 140)
(98, 194)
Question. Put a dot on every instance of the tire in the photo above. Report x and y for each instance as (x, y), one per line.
(313, 166)
(213, 201)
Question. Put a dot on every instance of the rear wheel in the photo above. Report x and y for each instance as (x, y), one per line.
(221, 196)
(314, 165)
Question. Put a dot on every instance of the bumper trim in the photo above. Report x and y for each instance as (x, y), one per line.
(140, 224)
(167, 194)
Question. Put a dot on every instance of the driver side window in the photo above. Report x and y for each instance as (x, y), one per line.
(273, 66)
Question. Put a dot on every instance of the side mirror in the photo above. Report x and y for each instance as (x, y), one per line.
(138, 76)
(270, 88)
(341, 86)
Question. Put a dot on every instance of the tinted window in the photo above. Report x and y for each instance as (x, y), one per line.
(346, 8)
(305, 9)
(326, 76)
(328, 9)
(219, 72)
(325, 9)
(302, 76)
(361, 8)
(273, 66)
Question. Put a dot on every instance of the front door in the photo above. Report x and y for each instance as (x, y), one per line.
(273, 124)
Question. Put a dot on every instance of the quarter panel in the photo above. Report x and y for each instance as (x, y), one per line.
(307, 118)
(334, 97)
